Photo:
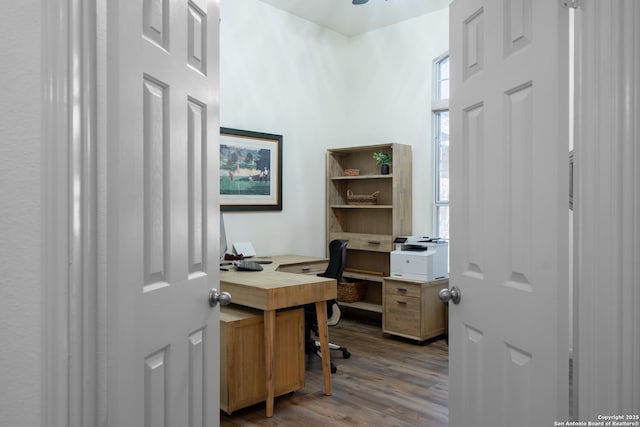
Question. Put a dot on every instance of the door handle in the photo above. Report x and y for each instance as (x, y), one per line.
(215, 297)
(452, 294)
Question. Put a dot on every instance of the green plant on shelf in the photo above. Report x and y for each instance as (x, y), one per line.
(382, 158)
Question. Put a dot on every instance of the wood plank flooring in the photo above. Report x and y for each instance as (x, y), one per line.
(386, 382)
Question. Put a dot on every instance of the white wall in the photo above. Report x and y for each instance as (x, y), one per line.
(319, 89)
(284, 75)
(20, 215)
(391, 88)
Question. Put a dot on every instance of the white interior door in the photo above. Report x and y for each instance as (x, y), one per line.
(162, 212)
(509, 207)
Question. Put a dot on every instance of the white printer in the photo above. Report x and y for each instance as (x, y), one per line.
(420, 258)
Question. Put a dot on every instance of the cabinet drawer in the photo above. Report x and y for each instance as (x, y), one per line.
(402, 315)
(305, 268)
(404, 289)
(366, 242)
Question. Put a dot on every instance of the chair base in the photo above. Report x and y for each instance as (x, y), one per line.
(313, 348)
(332, 346)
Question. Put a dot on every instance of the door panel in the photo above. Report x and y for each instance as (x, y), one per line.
(162, 207)
(509, 224)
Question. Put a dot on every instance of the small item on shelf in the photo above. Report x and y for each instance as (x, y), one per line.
(362, 199)
(383, 159)
(351, 291)
(352, 172)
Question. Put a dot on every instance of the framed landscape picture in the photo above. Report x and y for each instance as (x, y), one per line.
(250, 170)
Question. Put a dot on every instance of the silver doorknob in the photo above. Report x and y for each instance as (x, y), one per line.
(452, 294)
(215, 297)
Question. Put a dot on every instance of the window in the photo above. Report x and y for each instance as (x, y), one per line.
(442, 78)
(440, 111)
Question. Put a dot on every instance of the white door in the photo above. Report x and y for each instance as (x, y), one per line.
(509, 207)
(162, 212)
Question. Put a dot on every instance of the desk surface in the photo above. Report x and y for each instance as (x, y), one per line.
(271, 289)
(287, 260)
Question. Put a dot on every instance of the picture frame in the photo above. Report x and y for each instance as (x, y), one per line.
(250, 170)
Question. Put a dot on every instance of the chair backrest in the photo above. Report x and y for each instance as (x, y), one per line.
(337, 259)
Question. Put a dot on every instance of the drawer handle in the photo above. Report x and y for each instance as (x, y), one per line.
(402, 289)
(306, 268)
(402, 302)
(373, 242)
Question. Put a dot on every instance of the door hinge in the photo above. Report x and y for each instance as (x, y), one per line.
(573, 4)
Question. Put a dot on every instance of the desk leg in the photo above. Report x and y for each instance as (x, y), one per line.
(269, 342)
(323, 334)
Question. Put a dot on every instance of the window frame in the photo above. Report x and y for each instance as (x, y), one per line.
(438, 106)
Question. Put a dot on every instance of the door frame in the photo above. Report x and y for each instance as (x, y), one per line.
(606, 369)
(73, 311)
(70, 286)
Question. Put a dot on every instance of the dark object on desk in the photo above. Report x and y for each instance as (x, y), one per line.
(247, 266)
(232, 257)
(264, 261)
(337, 262)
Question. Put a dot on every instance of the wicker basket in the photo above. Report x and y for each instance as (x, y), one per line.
(362, 199)
(351, 291)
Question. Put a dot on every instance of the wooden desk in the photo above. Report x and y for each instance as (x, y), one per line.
(270, 290)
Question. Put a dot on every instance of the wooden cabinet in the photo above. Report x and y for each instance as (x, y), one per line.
(412, 308)
(242, 359)
(370, 229)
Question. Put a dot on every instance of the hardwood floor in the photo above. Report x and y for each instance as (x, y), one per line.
(386, 382)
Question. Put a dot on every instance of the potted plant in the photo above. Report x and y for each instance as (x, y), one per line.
(383, 159)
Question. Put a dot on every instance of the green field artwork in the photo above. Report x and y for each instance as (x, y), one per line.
(245, 171)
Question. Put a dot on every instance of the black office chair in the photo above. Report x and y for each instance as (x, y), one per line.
(337, 261)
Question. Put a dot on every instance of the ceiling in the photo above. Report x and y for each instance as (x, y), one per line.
(349, 20)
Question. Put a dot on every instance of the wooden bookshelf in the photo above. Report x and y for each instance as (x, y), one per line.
(370, 229)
